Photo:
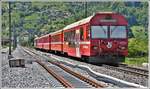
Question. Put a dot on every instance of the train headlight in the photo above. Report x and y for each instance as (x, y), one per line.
(122, 47)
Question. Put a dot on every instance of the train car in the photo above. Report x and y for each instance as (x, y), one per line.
(43, 42)
(101, 38)
(56, 41)
(38, 43)
(46, 42)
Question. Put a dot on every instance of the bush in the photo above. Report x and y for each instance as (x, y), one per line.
(138, 46)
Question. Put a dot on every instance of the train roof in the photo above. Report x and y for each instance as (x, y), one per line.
(48, 34)
(56, 32)
(83, 21)
(42, 36)
(86, 20)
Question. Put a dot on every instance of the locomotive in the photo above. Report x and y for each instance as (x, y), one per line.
(100, 38)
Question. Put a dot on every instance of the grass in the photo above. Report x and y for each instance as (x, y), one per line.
(136, 61)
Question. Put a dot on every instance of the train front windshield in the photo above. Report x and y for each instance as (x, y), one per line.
(108, 32)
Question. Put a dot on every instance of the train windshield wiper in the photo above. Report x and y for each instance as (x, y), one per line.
(103, 29)
(113, 29)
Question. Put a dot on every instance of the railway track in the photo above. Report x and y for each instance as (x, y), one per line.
(140, 70)
(67, 77)
(64, 82)
(125, 75)
(129, 70)
(83, 78)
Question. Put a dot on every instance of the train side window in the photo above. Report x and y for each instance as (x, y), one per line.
(81, 34)
(65, 36)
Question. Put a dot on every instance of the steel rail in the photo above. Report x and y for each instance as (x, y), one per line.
(83, 78)
(63, 81)
(136, 69)
(126, 71)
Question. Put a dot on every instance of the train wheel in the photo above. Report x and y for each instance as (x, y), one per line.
(119, 59)
(82, 59)
(122, 58)
(115, 64)
(85, 59)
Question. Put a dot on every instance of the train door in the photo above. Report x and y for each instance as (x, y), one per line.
(77, 45)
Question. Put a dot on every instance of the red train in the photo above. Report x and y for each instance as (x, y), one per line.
(100, 38)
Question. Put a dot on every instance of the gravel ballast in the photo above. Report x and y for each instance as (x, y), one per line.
(30, 76)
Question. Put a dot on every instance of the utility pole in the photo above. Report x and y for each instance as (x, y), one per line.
(9, 28)
(85, 7)
(14, 35)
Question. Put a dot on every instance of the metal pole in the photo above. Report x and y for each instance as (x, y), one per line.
(9, 28)
(85, 9)
(14, 36)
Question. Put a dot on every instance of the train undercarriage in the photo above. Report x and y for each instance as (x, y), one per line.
(100, 59)
(105, 59)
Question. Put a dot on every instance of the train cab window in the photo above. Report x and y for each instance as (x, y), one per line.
(99, 31)
(81, 34)
(118, 32)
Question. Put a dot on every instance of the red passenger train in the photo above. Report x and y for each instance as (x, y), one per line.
(100, 38)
